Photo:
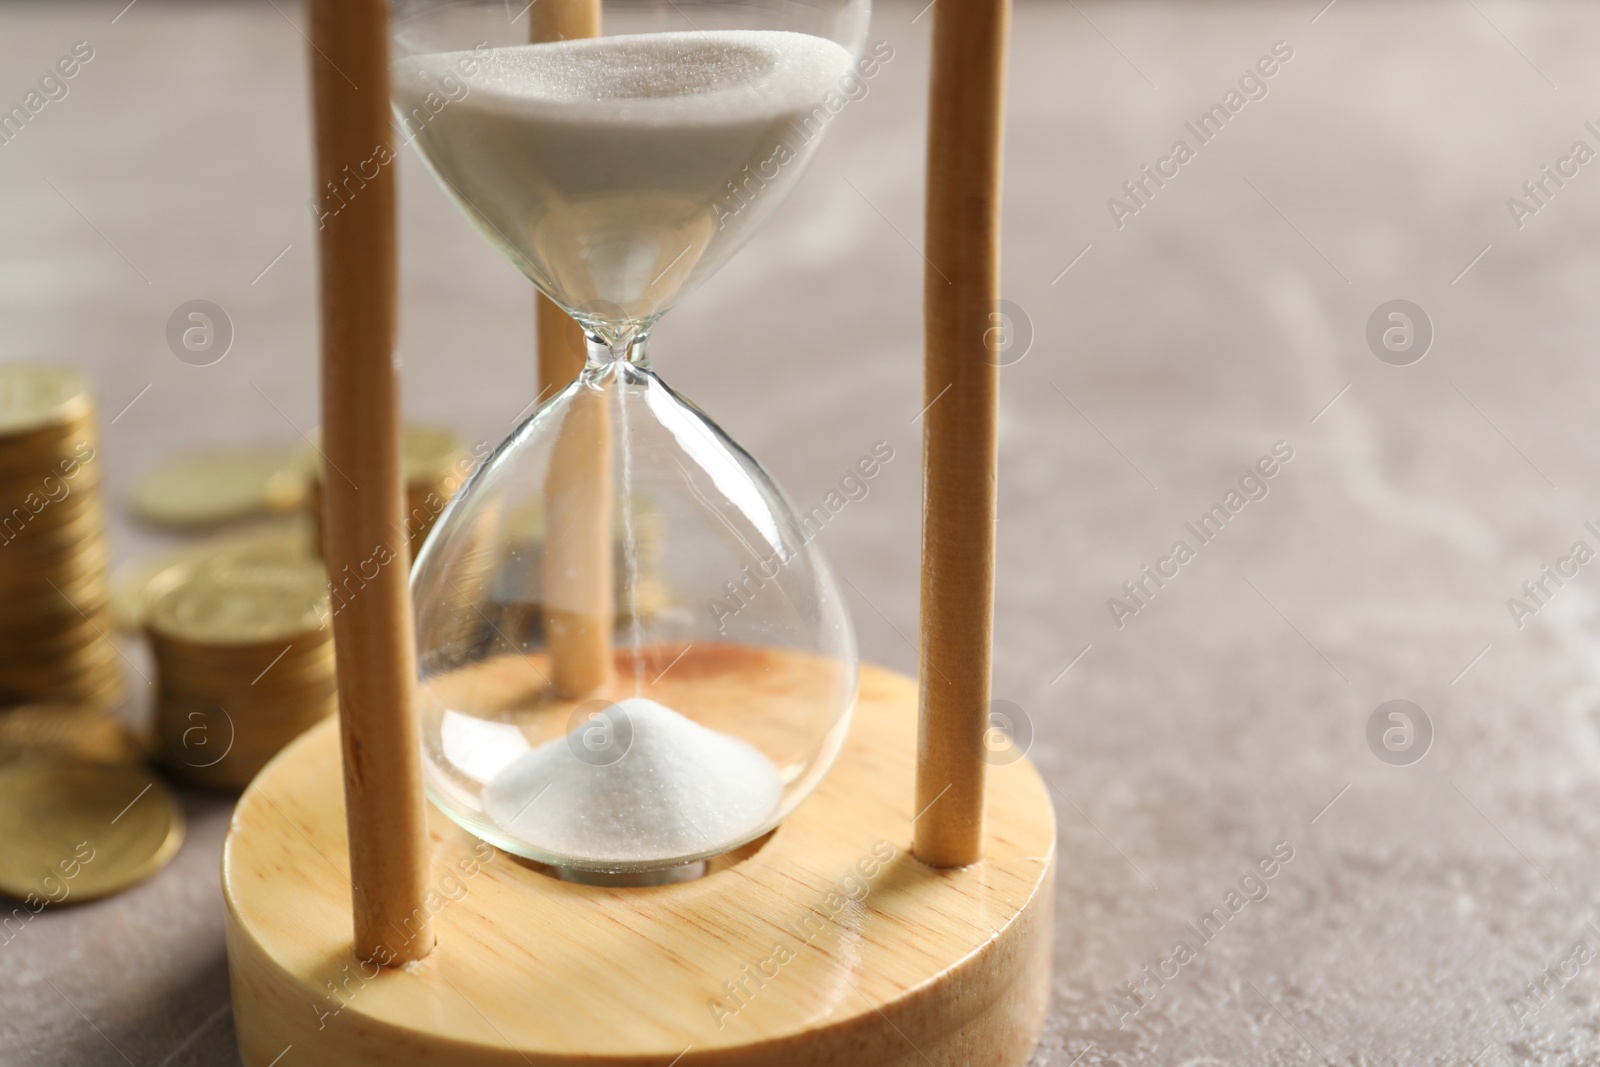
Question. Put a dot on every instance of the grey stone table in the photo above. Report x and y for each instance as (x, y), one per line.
(1183, 326)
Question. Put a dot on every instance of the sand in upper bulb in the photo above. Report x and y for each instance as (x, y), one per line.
(612, 170)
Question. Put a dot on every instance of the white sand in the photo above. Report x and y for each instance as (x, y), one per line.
(710, 80)
(618, 171)
(679, 790)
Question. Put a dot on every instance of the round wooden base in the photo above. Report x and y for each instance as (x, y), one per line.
(829, 945)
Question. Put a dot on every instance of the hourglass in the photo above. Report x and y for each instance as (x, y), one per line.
(565, 719)
(672, 819)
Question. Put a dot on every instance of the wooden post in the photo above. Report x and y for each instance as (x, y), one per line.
(961, 385)
(579, 587)
(579, 591)
(364, 489)
(561, 345)
(562, 350)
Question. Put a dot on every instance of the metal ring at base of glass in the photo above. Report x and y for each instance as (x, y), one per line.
(631, 655)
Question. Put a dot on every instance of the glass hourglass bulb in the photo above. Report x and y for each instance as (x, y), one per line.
(631, 654)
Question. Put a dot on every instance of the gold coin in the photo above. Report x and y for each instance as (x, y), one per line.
(60, 656)
(281, 542)
(525, 523)
(44, 469)
(37, 572)
(101, 689)
(234, 602)
(66, 654)
(243, 699)
(61, 430)
(310, 650)
(33, 396)
(44, 545)
(69, 444)
(431, 454)
(88, 734)
(223, 748)
(220, 486)
(433, 460)
(147, 581)
(53, 610)
(192, 729)
(142, 584)
(72, 831)
(306, 651)
(40, 484)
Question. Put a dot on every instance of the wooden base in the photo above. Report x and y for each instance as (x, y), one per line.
(830, 945)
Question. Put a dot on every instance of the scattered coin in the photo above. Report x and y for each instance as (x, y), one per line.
(72, 831)
(221, 485)
(435, 467)
(431, 454)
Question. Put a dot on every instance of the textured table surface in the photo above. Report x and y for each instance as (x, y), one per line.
(1227, 312)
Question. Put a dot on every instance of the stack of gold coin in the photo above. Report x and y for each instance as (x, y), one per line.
(90, 735)
(54, 598)
(139, 585)
(436, 465)
(244, 658)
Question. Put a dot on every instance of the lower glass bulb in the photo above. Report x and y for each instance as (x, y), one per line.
(631, 654)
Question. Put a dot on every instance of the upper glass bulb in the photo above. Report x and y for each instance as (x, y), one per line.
(631, 654)
(619, 171)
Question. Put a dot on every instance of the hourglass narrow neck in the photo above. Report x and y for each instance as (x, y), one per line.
(603, 352)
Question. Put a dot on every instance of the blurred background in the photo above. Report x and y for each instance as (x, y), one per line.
(1166, 337)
